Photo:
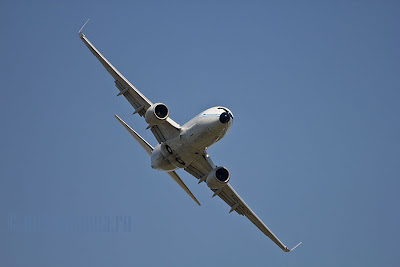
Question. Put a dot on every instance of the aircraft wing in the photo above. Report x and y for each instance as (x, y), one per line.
(201, 167)
(139, 102)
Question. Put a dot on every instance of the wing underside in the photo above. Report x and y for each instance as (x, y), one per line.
(139, 102)
(169, 129)
(202, 167)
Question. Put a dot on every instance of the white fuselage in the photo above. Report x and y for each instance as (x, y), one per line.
(195, 137)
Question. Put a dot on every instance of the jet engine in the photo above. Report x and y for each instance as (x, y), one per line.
(156, 114)
(159, 161)
(218, 178)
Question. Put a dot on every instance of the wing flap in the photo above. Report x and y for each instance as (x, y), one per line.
(232, 198)
(203, 166)
(130, 96)
(229, 198)
(200, 167)
(134, 96)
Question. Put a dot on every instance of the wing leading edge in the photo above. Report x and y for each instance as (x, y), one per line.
(139, 102)
(169, 129)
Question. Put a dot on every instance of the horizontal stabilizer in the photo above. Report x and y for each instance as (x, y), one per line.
(178, 180)
(143, 143)
(149, 149)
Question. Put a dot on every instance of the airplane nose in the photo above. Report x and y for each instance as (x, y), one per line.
(224, 117)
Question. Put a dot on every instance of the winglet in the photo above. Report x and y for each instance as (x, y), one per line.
(288, 250)
(80, 31)
(296, 246)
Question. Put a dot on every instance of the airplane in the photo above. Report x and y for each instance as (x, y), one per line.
(184, 147)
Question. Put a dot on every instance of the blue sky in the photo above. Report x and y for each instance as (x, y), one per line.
(314, 148)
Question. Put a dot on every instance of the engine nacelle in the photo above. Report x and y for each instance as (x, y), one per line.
(218, 178)
(156, 114)
(159, 161)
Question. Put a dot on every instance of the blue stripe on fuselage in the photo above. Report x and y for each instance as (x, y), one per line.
(209, 115)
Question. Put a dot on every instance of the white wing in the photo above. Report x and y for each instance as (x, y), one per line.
(139, 102)
(201, 167)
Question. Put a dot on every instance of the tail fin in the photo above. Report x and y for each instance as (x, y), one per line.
(143, 143)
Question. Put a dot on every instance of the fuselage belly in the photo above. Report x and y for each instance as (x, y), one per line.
(195, 137)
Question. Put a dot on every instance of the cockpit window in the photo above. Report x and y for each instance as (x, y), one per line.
(230, 114)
